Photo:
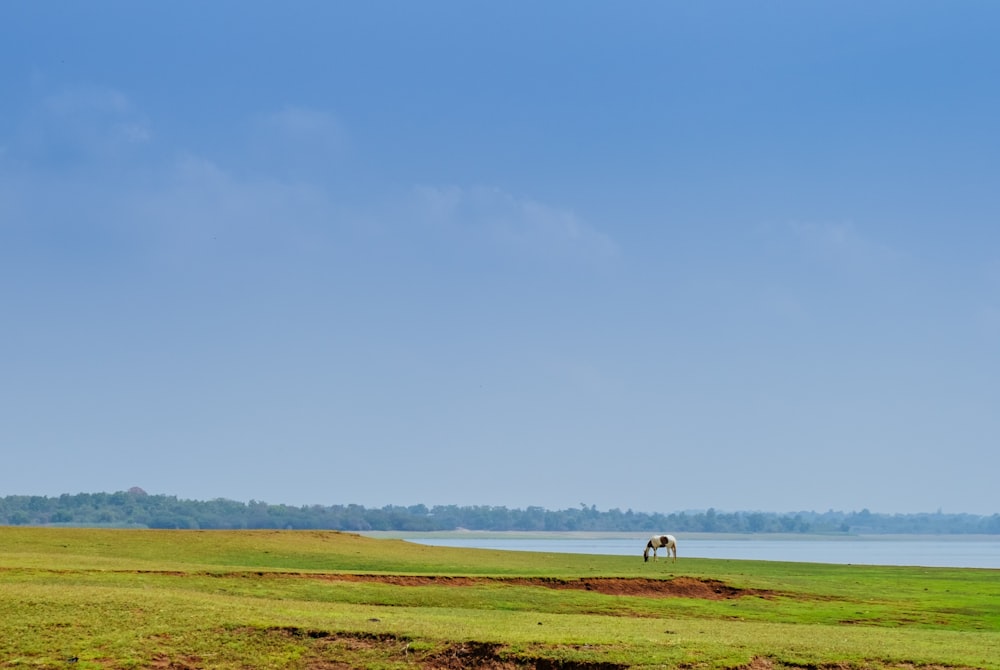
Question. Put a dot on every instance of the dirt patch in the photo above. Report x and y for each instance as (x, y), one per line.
(759, 663)
(337, 650)
(164, 662)
(678, 587)
(469, 655)
(489, 656)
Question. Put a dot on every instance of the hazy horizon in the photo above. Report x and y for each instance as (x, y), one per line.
(517, 507)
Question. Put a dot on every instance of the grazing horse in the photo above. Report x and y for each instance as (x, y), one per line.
(658, 541)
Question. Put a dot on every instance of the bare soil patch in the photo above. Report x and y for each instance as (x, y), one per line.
(489, 656)
(678, 587)
(472, 654)
(338, 650)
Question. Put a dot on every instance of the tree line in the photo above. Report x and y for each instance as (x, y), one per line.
(137, 509)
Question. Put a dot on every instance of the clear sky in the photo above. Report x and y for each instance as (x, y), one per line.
(652, 255)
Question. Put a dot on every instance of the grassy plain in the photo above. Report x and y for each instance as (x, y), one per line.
(85, 598)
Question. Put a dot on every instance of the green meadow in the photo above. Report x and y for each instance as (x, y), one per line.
(83, 598)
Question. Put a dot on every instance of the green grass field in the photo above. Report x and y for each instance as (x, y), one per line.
(321, 600)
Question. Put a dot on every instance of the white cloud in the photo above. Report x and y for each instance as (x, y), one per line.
(519, 225)
(841, 242)
(197, 202)
(80, 124)
(303, 124)
(296, 143)
(282, 195)
(187, 209)
(135, 133)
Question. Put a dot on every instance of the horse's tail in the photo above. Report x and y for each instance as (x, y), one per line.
(645, 554)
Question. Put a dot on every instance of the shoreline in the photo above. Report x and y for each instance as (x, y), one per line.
(463, 534)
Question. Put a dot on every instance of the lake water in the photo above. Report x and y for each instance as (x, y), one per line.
(944, 551)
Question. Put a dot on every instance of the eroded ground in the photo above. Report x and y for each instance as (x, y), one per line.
(340, 650)
(678, 587)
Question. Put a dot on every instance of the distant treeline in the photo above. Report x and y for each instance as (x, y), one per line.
(135, 508)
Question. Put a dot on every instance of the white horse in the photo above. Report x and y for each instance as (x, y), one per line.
(659, 541)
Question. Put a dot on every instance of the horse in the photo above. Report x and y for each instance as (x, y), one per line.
(659, 541)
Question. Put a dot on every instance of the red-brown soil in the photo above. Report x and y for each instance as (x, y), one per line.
(678, 587)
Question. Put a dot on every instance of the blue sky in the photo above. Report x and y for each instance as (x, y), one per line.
(662, 257)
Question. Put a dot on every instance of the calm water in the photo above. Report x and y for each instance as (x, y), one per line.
(947, 551)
